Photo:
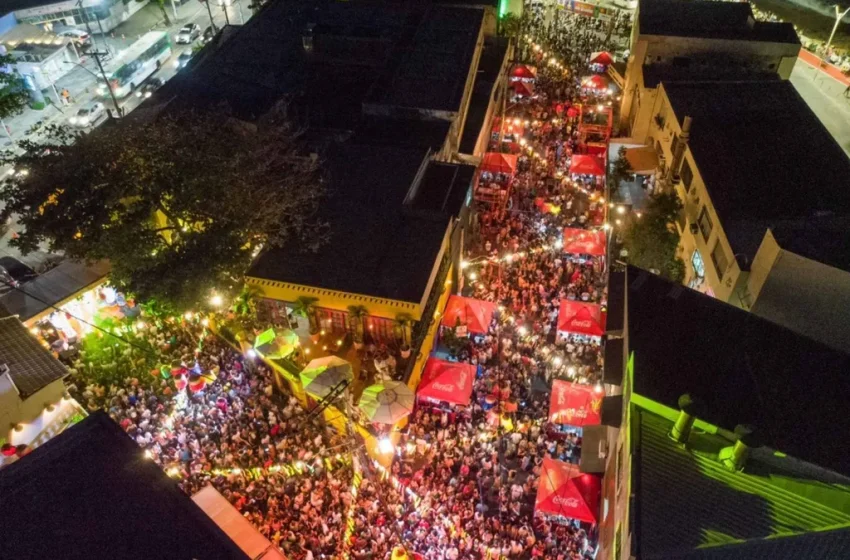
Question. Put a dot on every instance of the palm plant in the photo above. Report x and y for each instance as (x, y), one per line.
(305, 306)
(246, 301)
(404, 322)
(357, 317)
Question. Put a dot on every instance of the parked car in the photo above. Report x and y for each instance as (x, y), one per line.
(88, 114)
(77, 35)
(151, 85)
(208, 34)
(18, 272)
(188, 33)
(183, 59)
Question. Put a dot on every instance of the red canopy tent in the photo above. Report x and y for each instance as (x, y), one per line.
(596, 81)
(574, 404)
(602, 57)
(578, 317)
(584, 241)
(447, 381)
(523, 88)
(586, 164)
(523, 72)
(496, 162)
(473, 314)
(567, 492)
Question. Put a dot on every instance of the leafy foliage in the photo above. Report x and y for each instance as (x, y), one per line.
(652, 240)
(13, 95)
(305, 306)
(179, 206)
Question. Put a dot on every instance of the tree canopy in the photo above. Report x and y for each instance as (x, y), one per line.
(179, 206)
(13, 95)
(652, 239)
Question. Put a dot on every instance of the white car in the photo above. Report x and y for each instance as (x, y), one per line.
(89, 114)
(188, 33)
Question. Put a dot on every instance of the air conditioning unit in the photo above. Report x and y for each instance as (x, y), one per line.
(603, 448)
(694, 228)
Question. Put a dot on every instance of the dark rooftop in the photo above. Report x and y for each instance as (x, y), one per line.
(433, 71)
(492, 57)
(743, 369)
(376, 248)
(31, 366)
(654, 74)
(791, 176)
(90, 494)
(443, 188)
(53, 287)
(688, 505)
(710, 20)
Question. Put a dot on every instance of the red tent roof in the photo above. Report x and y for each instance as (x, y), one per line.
(510, 126)
(496, 162)
(584, 164)
(474, 314)
(596, 81)
(584, 241)
(447, 381)
(574, 404)
(601, 58)
(565, 491)
(524, 71)
(578, 317)
(523, 88)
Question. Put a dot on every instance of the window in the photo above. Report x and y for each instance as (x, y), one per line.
(699, 271)
(619, 468)
(705, 224)
(687, 175)
(718, 257)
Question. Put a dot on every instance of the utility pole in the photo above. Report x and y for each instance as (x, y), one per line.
(209, 11)
(96, 56)
(839, 15)
(86, 21)
(224, 9)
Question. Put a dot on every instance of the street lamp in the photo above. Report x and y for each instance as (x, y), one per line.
(839, 15)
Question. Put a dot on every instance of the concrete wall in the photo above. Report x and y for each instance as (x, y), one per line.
(718, 56)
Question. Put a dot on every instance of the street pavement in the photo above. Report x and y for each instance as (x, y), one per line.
(825, 97)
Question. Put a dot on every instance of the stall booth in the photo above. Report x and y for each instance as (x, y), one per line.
(494, 178)
(523, 73)
(573, 406)
(468, 316)
(522, 89)
(565, 494)
(446, 387)
(589, 169)
(584, 242)
(602, 58)
(580, 318)
(510, 135)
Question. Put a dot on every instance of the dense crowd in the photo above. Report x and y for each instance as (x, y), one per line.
(464, 479)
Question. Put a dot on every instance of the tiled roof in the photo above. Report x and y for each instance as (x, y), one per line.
(688, 500)
(31, 366)
(90, 494)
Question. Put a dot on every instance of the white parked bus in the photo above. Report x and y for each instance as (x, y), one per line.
(135, 64)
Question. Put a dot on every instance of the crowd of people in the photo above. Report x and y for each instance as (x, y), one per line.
(464, 479)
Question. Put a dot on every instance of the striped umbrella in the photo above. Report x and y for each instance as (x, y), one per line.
(323, 374)
(275, 345)
(387, 402)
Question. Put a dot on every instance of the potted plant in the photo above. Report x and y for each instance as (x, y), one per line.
(357, 319)
(305, 306)
(404, 322)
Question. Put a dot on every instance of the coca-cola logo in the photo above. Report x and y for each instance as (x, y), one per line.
(462, 378)
(585, 323)
(568, 502)
(448, 387)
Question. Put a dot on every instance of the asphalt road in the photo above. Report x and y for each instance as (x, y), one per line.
(825, 96)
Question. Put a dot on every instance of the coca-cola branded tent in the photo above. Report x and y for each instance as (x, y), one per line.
(496, 162)
(564, 491)
(474, 315)
(584, 241)
(447, 381)
(586, 164)
(574, 404)
(578, 317)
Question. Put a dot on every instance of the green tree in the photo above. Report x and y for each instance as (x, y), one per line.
(510, 25)
(161, 5)
(404, 322)
(652, 240)
(180, 207)
(13, 95)
(305, 306)
(357, 319)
